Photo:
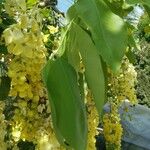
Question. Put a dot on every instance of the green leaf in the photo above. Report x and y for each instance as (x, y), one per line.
(108, 30)
(4, 87)
(131, 40)
(31, 3)
(72, 13)
(147, 10)
(3, 49)
(93, 68)
(144, 2)
(1, 1)
(131, 56)
(119, 8)
(45, 12)
(64, 39)
(131, 44)
(25, 145)
(72, 52)
(68, 110)
(68, 49)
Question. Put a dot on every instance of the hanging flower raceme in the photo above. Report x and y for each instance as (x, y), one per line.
(112, 129)
(25, 43)
(120, 87)
(93, 120)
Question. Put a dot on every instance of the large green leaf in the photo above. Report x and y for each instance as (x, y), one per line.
(64, 39)
(4, 87)
(72, 51)
(93, 68)
(68, 49)
(68, 111)
(108, 30)
(144, 2)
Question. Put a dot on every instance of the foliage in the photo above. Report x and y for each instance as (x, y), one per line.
(143, 71)
(142, 61)
(73, 134)
(144, 28)
(104, 33)
(4, 87)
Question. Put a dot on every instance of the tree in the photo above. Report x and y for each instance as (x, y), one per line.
(56, 93)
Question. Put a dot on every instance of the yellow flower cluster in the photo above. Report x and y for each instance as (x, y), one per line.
(53, 29)
(24, 40)
(26, 44)
(121, 86)
(20, 6)
(93, 120)
(112, 131)
(30, 124)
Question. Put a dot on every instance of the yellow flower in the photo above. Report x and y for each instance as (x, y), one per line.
(24, 20)
(113, 130)
(53, 29)
(93, 121)
(45, 37)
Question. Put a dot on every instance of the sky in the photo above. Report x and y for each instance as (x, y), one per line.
(63, 5)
